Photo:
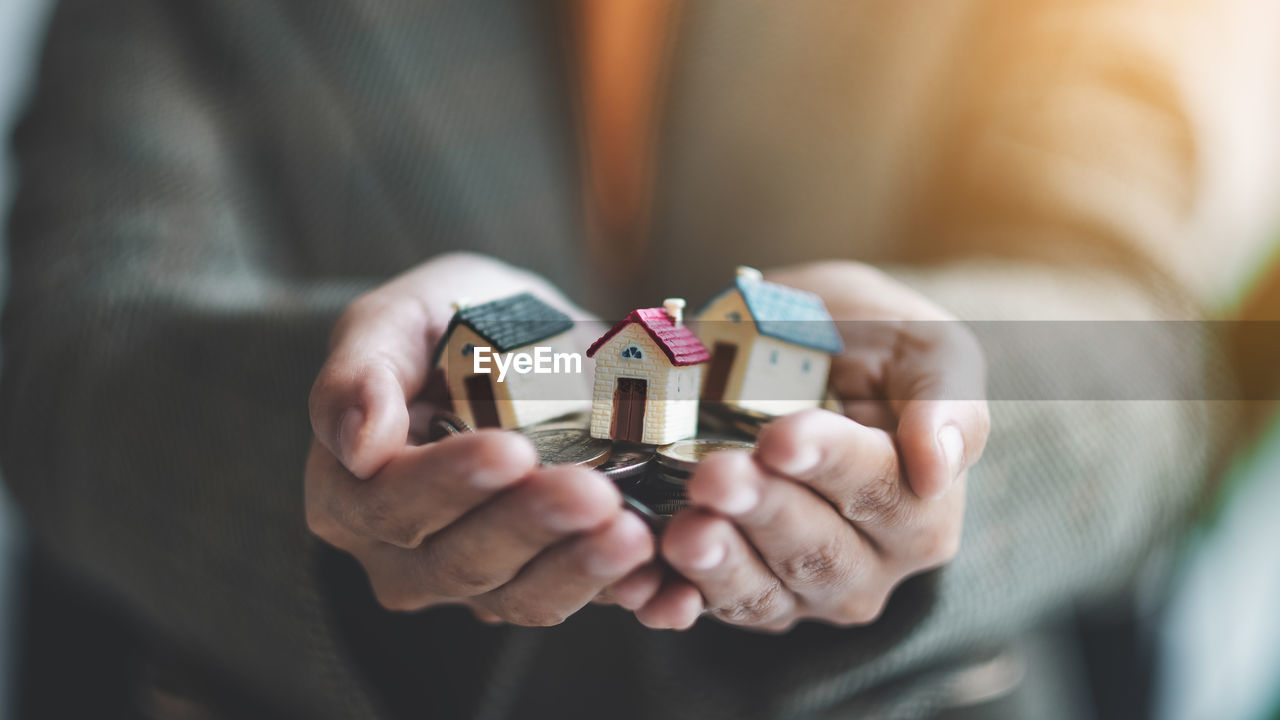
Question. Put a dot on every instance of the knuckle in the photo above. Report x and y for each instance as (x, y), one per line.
(879, 500)
(821, 565)
(379, 519)
(461, 577)
(755, 609)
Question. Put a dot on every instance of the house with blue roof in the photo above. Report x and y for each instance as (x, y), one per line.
(771, 346)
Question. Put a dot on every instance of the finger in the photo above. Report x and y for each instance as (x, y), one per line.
(736, 586)
(491, 546)
(811, 548)
(425, 488)
(855, 468)
(420, 415)
(939, 440)
(488, 547)
(914, 354)
(872, 413)
(381, 348)
(378, 362)
(637, 588)
(485, 616)
(676, 606)
(568, 576)
(937, 388)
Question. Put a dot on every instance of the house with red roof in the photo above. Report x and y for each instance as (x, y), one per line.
(647, 378)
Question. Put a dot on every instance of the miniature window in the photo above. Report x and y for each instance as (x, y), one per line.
(773, 358)
(734, 316)
(468, 349)
(805, 366)
(631, 351)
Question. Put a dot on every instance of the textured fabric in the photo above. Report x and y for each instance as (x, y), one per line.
(205, 185)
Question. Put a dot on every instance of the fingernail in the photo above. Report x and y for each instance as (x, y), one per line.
(742, 499)
(952, 447)
(709, 558)
(349, 426)
(805, 459)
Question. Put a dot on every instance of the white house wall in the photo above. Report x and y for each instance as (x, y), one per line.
(665, 419)
(521, 400)
(532, 398)
(776, 381)
(681, 407)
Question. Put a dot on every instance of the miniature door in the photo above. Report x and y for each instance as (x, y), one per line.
(484, 407)
(722, 357)
(628, 409)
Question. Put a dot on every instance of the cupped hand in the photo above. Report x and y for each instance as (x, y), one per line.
(832, 512)
(468, 520)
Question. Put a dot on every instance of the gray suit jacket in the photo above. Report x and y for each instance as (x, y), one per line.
(206, 184)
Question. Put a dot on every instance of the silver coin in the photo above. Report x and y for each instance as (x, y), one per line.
(683, 456)
(568, 446)
(625, 462)
(655, 491)
(651, 517)
(446, 424)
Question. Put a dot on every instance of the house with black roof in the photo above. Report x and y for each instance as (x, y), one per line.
(510, 363)
(771, 346)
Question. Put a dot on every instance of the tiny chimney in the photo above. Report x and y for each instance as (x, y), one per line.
(675, 310)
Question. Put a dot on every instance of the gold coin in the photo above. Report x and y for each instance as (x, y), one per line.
(832, 402)
(683, 456)
(568, 446)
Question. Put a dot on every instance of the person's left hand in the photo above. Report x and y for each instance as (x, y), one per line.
(830, 513)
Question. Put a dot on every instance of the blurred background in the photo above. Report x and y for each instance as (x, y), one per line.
(1209, 649)
(21, 29)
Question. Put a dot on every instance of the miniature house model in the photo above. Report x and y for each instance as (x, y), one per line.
(771, 346)
(648, 372)
(520, 324)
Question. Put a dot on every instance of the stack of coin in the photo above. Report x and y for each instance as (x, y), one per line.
(626, 462)
(721, 418)
(558, 445)
(678, 460)
(652, 482)
(445, 424)
(662, 488)
(576, 419)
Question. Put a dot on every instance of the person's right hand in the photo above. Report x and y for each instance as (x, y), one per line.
(471, 519)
